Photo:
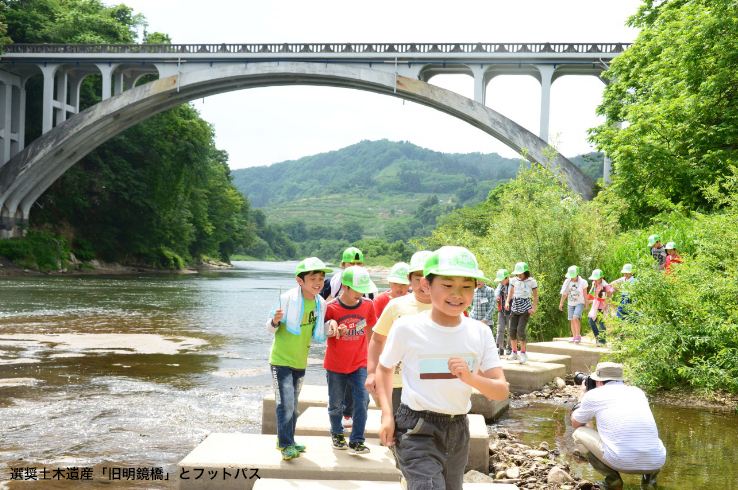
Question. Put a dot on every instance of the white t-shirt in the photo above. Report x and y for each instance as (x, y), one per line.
(336, 283)
(424, 348)
(630, 439)
(575, 291)
(523, 289)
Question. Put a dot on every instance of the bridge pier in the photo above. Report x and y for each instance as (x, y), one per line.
(546, 72)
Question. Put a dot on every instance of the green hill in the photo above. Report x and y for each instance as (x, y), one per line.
(370, 182)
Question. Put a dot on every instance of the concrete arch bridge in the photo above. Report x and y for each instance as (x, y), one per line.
(186, 72)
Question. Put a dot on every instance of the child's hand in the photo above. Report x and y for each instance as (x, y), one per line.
(342, 329)
(387, 431)
(561, 306)
(507, 306)
(277, 317)
(332, 326)
(533, 311)
(371, 384)
(460, 369)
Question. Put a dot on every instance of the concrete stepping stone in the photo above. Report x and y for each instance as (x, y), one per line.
(550, 359)
(265, 484)
(224, 461)
(531, 376)
(317, 396)
(584, 356)
(314, 422)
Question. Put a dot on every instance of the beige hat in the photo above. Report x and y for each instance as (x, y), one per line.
(608, 371)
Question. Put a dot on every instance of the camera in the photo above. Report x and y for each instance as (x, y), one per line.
(589, 383)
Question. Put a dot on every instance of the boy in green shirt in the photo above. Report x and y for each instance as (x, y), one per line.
(296, 319)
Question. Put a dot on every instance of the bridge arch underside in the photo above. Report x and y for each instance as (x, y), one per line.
(28, 174)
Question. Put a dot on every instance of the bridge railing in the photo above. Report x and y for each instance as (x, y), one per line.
(379, 48)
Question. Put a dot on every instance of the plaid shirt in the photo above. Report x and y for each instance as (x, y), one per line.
(481, 309)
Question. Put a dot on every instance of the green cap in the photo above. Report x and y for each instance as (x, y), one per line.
(398, 274)
(653, 239)
(627, 268)
(417, 261)
(572, 272)
(520, 267)
(502, 274)
(671, 246)
(352, 254)
(311, 264)
(453, 261)
(596, 274)
(357, 278)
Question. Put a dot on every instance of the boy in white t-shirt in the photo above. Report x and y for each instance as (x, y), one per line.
(575, 287)
(444, 355)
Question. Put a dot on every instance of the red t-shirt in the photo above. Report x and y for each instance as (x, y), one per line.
(380, 301)
(347, 354)
(676, 259)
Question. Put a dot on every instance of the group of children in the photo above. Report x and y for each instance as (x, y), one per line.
(666, 255)
(415, 351)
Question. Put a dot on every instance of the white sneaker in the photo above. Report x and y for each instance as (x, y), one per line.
(347, 422)
(513, 356)
(523, 357)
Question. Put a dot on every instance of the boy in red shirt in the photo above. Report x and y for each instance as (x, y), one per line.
(399, 286)
(351, 320)
(672, 257)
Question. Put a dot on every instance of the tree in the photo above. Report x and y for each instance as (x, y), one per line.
(676, 88)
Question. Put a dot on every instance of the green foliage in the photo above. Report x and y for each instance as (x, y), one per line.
(39, 250)
(676, 89)
(537, 220)
(686, 333)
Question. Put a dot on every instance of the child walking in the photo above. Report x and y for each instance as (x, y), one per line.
(672, 257)
(295, 320)
(503, 315)
(444, 355)
(351, 319)
(399, 286)
(575, 287)
(622, 285)
(600, 294)
(658, 252)
(522, 289)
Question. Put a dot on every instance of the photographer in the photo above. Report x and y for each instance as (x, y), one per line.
(626, 439)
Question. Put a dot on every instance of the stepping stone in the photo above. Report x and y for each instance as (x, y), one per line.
(550, 359)
(310, 396)
(265, 484)
(584, 356)
(314, 422)
(531, 376)
(317, 396)
(221, 453)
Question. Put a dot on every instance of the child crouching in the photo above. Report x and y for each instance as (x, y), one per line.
(444, 355)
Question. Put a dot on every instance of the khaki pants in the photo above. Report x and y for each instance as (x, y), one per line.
(589, 440)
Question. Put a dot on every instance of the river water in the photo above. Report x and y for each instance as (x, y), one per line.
(134, 371)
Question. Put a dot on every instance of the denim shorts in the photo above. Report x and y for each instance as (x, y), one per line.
(575, 311)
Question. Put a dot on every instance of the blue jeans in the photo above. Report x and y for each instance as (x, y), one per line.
(287, 384)
(337, 384)
(593, 324)
(348, 402)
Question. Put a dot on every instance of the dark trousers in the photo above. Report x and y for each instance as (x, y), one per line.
(432, 448)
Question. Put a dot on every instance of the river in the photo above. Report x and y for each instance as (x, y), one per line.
(134, 371)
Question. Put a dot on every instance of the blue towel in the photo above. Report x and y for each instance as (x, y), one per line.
(293, 305)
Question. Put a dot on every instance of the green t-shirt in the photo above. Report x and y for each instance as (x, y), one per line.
(292, 350)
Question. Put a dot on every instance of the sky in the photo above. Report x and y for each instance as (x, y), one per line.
(272, 124)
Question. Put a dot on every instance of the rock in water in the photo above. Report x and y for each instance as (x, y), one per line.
(560, 383)
(476, 477)
(558, 476)
(536, 454)
(513, 472)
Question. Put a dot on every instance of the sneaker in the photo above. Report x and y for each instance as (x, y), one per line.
(299, 447)
(523, 358)
(602, 342)
(513, 356)
(347, 422)
(573, 339)
(577, 339)
(508, 351)
(339, 442)
(403, 483)
(358, 448)
(290, 453)
(500, 351)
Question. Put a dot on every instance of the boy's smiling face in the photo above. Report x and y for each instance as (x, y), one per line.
(450, 296)
(312, 284)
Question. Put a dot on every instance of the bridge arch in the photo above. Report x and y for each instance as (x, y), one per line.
(29, 173)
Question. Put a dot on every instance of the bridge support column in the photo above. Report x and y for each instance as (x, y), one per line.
(546, 72)
(480, 83)
(49, 72)
(12, 115)
(607, 164)
(60, 104)
(106, 70)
